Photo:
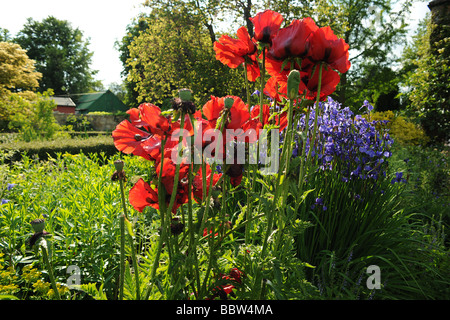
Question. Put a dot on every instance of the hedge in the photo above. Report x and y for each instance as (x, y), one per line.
(45, 149)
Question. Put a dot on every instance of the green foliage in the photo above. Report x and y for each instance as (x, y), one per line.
(427, 70)
(45, 149)
(78, 123)
(34, 119)
(403, 131)
(61, 54)
(82, 206)
(28, 283)
(174, 52)
(377, 84)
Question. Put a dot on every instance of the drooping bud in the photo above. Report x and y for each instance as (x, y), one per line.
(293, 84)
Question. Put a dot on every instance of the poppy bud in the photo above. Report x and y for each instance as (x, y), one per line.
(293, 84)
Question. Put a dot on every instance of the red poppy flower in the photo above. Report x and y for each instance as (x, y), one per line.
(330, 79)
(236, 275)
(153, 120)
(280, 72)
(237, 126)
(234, 52)
(128, 139)
(280, 120)
(266, 24)
(168, 173)
(292, 41)
(144, 134)
(325, 46)
(197, 183)
(143, 195)
(224, 290)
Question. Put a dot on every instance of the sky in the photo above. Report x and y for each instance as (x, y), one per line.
(104, 22)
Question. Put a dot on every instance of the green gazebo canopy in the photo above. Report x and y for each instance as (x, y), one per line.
(100, 101)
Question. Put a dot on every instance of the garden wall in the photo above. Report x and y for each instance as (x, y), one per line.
(99, 122)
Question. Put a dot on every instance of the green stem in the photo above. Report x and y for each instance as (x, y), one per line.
(316, 115)
(261, 95)
(246, 86)
(122, 247)
(162, 210)
(135, 267)
(122, 256)
(50, 271)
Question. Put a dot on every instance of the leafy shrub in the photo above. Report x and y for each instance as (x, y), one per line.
(34, 118)
(78, 123)
(27, 283)
(45, 149)
(403, 131)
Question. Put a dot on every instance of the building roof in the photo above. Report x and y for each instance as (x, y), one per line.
(100, 101)
(64, 101)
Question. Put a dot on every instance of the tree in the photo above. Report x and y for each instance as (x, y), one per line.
(4, 35)
(61, 54)
(17, 70)
(426, 65)
(17, 77)
(138, 25)
(175, 51)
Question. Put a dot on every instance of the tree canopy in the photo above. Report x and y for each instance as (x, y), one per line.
(426, 69)
(174, 51)
(372, 28)
(61, 55)
(17, 70)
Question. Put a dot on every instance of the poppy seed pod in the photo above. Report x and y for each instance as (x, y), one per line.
(185, 106)
(119, 164)
(293, 84)
(38, 225)
(185, 94)
(228, 102)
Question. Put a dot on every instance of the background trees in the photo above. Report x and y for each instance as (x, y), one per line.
(61, 55)
(18, 80)
(372, 28)
(170, 49)
(427, 73)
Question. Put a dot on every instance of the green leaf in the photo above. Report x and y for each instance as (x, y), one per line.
(129, 227)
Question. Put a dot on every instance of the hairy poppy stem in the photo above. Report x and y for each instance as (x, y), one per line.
(162, 210)
(50, 271)
(122, 256)
(261, 91)
(316, 114)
